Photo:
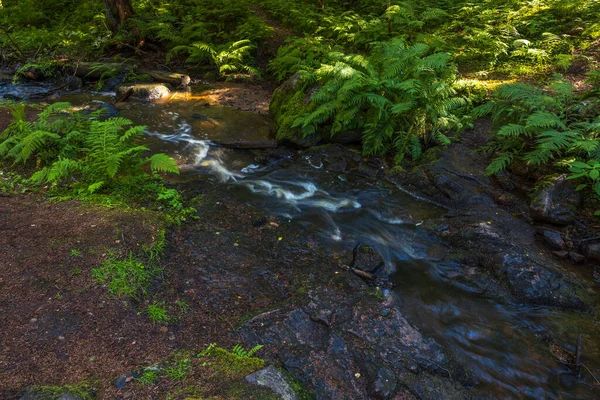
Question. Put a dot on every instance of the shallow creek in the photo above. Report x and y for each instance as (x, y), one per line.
(498, 342)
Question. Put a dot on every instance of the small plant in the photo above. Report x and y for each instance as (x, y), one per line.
(183, 305)
(75, 253)
(76, 271)
(239, 351)
(149, 377)
(158, 314)
(126, 277)
(180, 368)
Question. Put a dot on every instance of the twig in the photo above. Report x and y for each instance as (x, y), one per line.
(38, 51)
(593, 376)
(578, 353)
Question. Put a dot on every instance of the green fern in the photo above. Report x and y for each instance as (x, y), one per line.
(400, 97)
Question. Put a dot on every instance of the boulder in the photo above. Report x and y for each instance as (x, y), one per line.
(367, 259)
(73, 82)
(275, 380)
(554, 240)
(287, 104)
(592, 252)
(556, 203)
(145, 91)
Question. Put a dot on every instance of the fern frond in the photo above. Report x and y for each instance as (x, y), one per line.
(163, 163)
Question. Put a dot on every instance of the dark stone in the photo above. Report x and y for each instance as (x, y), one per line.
(125, 379)
(73, 82)
(33, 73)
(592, 252)
(385, 385)
(534, 284)
(554, 240)
(563, 255)
(110, 84)
(366, 258)
(557, 203)
(576, 258)
(275, 380)
(110, 111)
(200, 116)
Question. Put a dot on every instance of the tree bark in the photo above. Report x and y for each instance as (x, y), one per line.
(118, 11)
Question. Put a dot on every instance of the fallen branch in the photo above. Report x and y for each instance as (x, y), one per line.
(12, 41)
(125, 96)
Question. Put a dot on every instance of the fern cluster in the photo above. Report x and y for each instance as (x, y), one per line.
(400, 96)
(229, 59)
(541, 125)
(80, 151)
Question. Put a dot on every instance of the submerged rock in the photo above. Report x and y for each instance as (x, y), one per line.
(592, 252)
(557, 203)
(145, 91)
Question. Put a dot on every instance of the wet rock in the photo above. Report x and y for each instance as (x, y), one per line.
(366, 258)
(73, 82)
(537, 285)
(111, 84)
(145, 91)
(358, 352)
(557, 203)
(563, 255)
(576, 258)
(592, 252)
(110, 111)
(554, 240)
(385, 385)
(275, 380)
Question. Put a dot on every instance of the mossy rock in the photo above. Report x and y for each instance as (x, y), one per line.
(289, 102)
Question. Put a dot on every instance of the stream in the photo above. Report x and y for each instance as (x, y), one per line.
(498, 342)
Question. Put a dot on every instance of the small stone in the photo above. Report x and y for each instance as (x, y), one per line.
(61, 338)
(563, 255)
(164, 329)
(592, 252)
(33, 320)
(576, 258)
(554, 240)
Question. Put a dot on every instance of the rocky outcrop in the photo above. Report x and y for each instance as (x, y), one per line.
(346, 344)
(487, 229)
(556, 203)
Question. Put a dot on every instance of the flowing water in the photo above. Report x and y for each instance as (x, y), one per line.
(498, 342)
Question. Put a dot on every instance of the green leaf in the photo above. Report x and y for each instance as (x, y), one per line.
(594, 174)
(581, 187)
(597, 213)
(579, 164)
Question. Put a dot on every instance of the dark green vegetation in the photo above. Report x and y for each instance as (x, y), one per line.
(81, 156)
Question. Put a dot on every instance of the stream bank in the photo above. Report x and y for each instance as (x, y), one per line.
(479, 309)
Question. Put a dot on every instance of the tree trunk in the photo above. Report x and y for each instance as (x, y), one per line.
(118, 11)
